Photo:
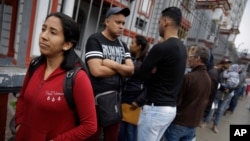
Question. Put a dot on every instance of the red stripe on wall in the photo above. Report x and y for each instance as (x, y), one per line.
(32, 21)
(14, 4)
(115, 3)
(54, 6)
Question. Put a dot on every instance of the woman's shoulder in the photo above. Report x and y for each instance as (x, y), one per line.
(81, 73)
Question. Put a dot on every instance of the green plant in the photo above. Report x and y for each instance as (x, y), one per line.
(13, 103)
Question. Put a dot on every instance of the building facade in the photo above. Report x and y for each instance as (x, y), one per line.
(210, 23)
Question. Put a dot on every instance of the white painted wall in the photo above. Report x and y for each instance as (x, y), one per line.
(218, 14)
(18, 27)
(68, 7)
(41, 13)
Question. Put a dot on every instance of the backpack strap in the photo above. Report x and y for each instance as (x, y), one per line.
(68, 86)
(68, 90)
(34, 64)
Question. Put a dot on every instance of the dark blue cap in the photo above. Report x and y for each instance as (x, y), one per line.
(117, 10)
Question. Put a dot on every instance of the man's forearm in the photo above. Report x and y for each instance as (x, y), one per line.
(123, 69)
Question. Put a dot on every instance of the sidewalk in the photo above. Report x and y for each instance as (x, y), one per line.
(240, 116)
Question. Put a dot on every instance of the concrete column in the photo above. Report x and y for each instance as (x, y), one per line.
(68, 7)
(24, 32)
(41, 13)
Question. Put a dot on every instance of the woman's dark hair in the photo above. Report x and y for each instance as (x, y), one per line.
(141, 40)
(71, 34)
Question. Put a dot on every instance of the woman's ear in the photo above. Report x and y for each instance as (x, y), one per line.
(67, 46)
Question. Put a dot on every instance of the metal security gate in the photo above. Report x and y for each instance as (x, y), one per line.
(8, 13)
(90, 15)
(143, 19)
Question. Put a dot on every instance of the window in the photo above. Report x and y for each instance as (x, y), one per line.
(81, 21)
(145, 7)
(186, 4)
(140, 23)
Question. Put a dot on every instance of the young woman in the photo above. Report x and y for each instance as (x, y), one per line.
(133, 90)
(42, 112)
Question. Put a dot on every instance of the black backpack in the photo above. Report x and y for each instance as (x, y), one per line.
(67, 85)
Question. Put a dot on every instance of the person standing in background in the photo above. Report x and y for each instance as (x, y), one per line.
(238, 91)
(133, 92)
(193, 97)
(108, 60)
(231, 77)
(220, 97)
(163, 71)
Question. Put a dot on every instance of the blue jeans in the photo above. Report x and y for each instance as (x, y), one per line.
(128, 132)
(153, 122)
(234, 101)
(177, 132)
(222, 105)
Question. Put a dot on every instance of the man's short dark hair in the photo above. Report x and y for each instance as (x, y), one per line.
(174, 13)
